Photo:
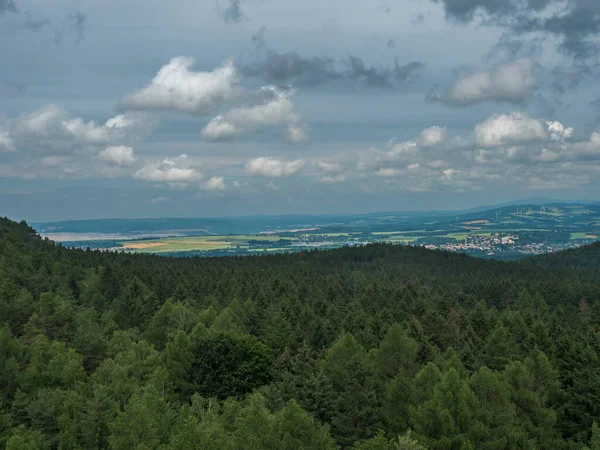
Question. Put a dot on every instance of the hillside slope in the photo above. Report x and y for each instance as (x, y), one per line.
(584, 257)
(350, 348)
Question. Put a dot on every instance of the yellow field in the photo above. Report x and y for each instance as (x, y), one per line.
(195, 243)
(582, 236)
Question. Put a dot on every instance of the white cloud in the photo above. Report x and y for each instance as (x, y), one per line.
(432, 136)
(297, 134)
(511, 148)
(55, 161)
(239, 184)
(333, 179)
(558, 132)
(387, 172)
(6, 143)
(329, 167)
(159, 200)
(214, 184)
(177, 88)
(513, 83)
(273, 168)
(402, 148)
(278, 109)
(437, 164)
(501, 129)
(51, 127)
(171, 170)
(42, 121)
(118, 155)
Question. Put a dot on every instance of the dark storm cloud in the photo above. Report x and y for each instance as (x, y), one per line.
(291, 67)
(576, 25)
(7, 6)
(233, 13)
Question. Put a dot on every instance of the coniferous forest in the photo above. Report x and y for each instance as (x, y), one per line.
(373, 348)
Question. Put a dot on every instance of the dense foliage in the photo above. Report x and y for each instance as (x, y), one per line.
(374, 348)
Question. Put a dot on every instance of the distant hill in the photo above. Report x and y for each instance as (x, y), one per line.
(583, 257)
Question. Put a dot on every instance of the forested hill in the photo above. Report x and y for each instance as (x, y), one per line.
(584, 257)
(380, 347)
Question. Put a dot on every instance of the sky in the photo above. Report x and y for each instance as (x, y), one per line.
(196, 108)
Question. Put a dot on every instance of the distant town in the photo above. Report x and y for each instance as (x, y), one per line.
(511, 232)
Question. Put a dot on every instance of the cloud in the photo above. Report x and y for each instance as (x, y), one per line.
(278, 109)
(465, 10)
(329, 167)
(171, 170)
(575, 23)
(214, 184)
(432, 136)
(512, 83)
(55, 161)
(78, 22)
(273, 168)
(588, 150)
(118, 155)
(258, 39)
(502, 129)
(6, 142)
(233, 13)
(7, 6)
(297, 134)
(311, 72)
(290, 67)
(175, 87)
(51, 128)
(510, 149)
(332, 179)
(332, 172)
(387, 172)
(558, 132)
(159, 200)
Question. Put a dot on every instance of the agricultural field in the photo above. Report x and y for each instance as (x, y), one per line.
(502, 233)
(199, 243)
